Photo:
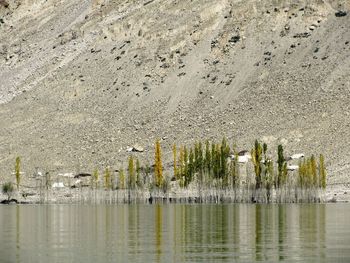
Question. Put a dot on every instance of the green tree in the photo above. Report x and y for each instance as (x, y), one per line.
(131, 171)
(280, 162)
(313, 164)
(107, 179)
(121, 181)
(191, 168)
(234, 170)
(175, 161)
(94, 179)
(224, 154)
(257, 158)
(269, 177)
(207, 157)
(284, 174)
(265, 150)
(200, 162)
(185, 170)
(138, 174)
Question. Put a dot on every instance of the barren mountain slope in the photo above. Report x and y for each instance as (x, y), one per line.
(83, 80)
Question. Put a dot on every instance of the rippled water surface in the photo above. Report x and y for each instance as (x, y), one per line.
(175, 233)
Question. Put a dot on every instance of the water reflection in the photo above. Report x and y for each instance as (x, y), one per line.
(174, 233)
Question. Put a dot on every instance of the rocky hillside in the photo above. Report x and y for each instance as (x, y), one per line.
(83, 80)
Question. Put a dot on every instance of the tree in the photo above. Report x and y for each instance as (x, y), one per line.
(224, 153)
(185, 170)
(191, 168)
(234, 170)
(107, 179)
(322, 172)
(313, 164)
(280, 163)
(121, 181)
(215, 159)
(94, 178)
(138, 173)
(265, 150)
(207, 157)
(257, 157)
(269, 177)
(17, 171)
(7, 189)
(199, 162)
(175, 161)
(158, 165)
(131, 172)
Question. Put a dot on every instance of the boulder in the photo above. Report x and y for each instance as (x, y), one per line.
(135, 148)
(340, 13)
(234, 39)
(82, 175)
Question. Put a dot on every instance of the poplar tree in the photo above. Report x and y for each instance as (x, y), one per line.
(175, 161)
(269, 177)
(280, 163)
(322, 172)
(213, 160)
(131, 173)
(301, 174)
(265, 151)
(207, 157)
(200, 162)
(224, 153)
(185, 169)
(138, 173)
(94, 178)
(121, 181)
(191, 167)
(256, 158)
(284, 173)
(107, 179)
(314, 171)
(182, 165)
(234, 171)
(158, 165)
(17, 171)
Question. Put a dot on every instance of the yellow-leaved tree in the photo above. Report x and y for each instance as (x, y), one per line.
(158, 169)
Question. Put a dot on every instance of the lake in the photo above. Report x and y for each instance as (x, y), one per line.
(175, 233)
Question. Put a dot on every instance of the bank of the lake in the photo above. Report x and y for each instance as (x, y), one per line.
(333, 193)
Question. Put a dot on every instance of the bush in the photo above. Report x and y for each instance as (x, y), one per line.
(7, 189)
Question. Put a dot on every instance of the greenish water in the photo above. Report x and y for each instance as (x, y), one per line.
(175, 233)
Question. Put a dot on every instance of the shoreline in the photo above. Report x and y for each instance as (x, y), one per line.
(84, 195)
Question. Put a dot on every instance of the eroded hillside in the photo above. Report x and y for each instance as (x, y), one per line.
(83, 80)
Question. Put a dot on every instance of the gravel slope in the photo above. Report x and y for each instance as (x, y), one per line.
(81, 81)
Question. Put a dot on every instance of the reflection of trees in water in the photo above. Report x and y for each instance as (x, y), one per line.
(199, 225)
(258, 234)
(281, 231)
(133, 219)
(312, 228)
(285, 232)
(159, 232)
(18, 234)
(176, 233)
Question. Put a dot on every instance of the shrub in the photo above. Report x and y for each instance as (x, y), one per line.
(7, 189)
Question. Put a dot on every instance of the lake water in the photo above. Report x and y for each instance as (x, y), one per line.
(175, 233)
